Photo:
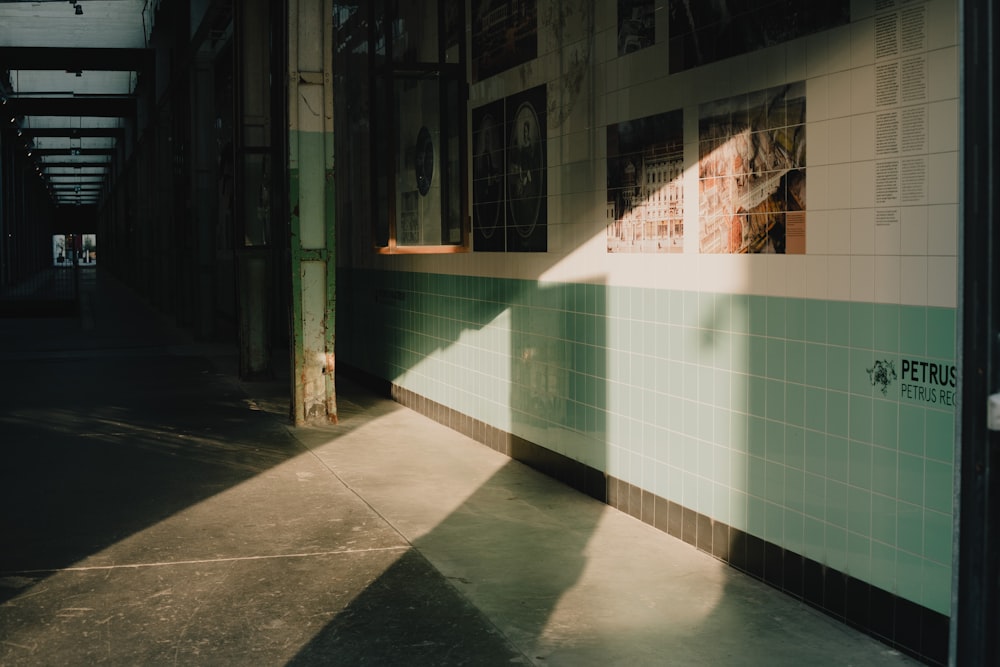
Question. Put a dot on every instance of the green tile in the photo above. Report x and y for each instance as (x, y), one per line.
(757, 311)
(795, 362)
(775, 400)
(885, 418)
(913, 330)
(755, 516)
(816, 364)
(774, 446)
(794, 531)
(883, 518)
(691, 309)
(738, 510)
(815, 409)
(795, 408)
(838, 317)
(911, 429)
(774, 483)
(862, 325)
(941, 333)
(886, 327)
(859, 510)
(859, 562)
(774, 523)
(775, 350)
(860, 465)
(938, 536)
(814, 538)
(911, 478)
(756, 396)
(740, 312)
(815, 453)
(860, 418)
(815, 496)
(815, 322)
(940, 435)
(883, 572)
(756, 438)
(910, 527)
(909, 576)
(776, 313)
(837, 467)
(937, 587)
(836, 503)
(795, 319)
(861, 374)
(938, 485)
(838, 361)
(757, 356)
(885, 464)
(837, 416)
(794, 486)
(836, 547)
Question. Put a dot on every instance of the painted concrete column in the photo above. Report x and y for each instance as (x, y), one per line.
(311, 201)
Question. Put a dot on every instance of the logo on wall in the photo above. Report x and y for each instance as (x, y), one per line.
(509, 170)
(882, 374)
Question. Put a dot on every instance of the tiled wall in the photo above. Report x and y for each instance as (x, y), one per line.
(746, 389)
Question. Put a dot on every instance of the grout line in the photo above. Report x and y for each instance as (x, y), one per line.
(233, 559)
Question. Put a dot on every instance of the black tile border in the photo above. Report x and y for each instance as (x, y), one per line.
(911, 628)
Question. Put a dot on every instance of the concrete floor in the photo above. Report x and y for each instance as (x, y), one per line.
(155, 510)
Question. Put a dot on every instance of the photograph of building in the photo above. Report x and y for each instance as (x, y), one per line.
(504, 35)
(646, 184)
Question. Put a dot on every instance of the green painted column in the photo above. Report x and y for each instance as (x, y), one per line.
(311, 199)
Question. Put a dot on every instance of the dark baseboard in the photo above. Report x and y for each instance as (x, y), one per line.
(909, 627)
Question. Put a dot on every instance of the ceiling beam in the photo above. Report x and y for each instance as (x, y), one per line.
(105, 106)
(75, 59)
(116, 132)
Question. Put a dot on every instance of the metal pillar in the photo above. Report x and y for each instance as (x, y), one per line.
(311, 202)
(975, 618)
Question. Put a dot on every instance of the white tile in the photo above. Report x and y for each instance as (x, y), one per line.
(887, 237)
(796, 276)
(943, 74)
(839, 232)
(863, 137)
(817, 274)
(942, 23)
(817, 98)
(840, 139)
(862, 9)
(943, 121)
(838, 277)
(863, 184)
(942, 229)
(863, 89)
(943, 178)
(818, 187)
(777, 274)
(818, 138)
(839, 186)
(942, 282)
(798, 69)
(863, 41)
(840, 49)
(913, 230)
(817, 232)
(862, 231)
(913, 281)
(887, 279)
(839, 100)
(777, 70)
(818, 54)
(863, 278)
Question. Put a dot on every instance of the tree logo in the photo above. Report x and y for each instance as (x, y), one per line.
(881, 374)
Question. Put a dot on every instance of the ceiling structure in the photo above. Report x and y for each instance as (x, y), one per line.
(68, 76)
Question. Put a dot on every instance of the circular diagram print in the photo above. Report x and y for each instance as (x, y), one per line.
(487, 176)
(525, 176)
(423, 160)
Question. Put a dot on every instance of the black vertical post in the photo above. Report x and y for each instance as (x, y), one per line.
(975, 623)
